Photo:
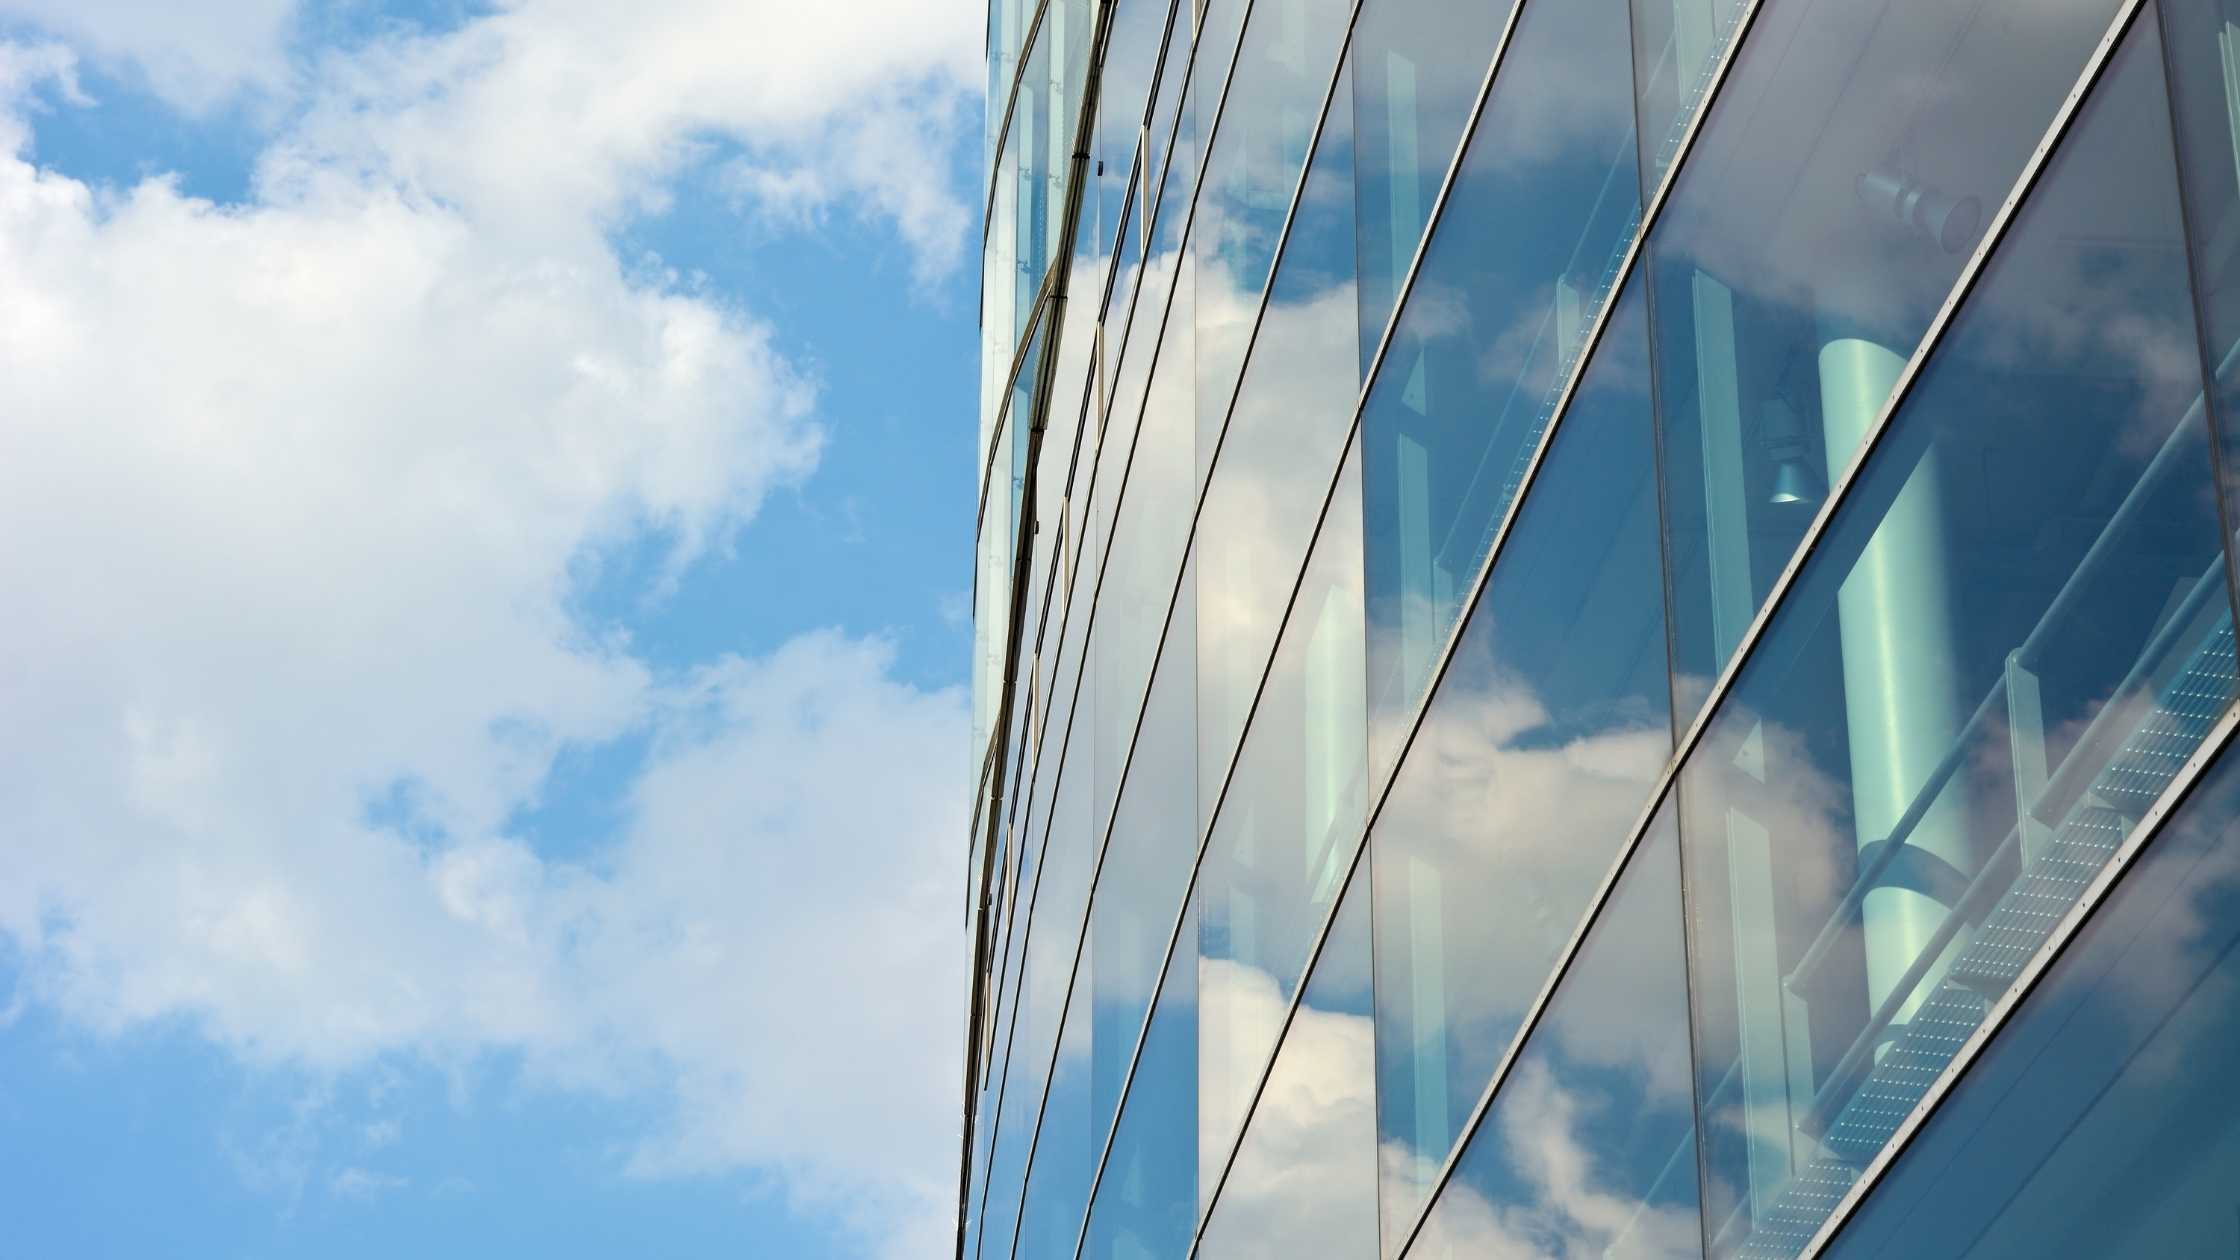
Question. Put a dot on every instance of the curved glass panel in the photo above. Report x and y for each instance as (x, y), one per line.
(1066, 1148)
(1147, 1199)
(1304, 1182)
(1417, 69)
(1589, 1146)
(1289, 825)
(2099, 1121)
(1676, 48)
(1276, 93)
(1147, 864)
(1534, 762)
(1293, 413)
(1515, 272)
(2203, 39)
(1149, 536)
(1839, 183)
(2012, 633)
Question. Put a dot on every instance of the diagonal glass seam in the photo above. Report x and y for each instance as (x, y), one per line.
(2136, 840)
(1681, 149)
(1003, 416)
(1962, 286)
(1213, 464)
(1010, 104)
(2228, 512)
(1097, 870)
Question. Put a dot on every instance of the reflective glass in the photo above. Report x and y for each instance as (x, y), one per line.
(2100, 1120)
(1066, 1149)
(1417, 69)
(1147, 863)
(999, 521)
(1282, 77)
(1293, 413)
(1840, 181)
(1676, 49)
(998, 292)
(1007, 23)
(1533, 763)
(2013, 631)
(1516, 270)
(2203, 38)
(1131, 58)
(1304, 1182)
(1148, 539)
(1588, 1148)
(1147, 1199)
(1288, 826)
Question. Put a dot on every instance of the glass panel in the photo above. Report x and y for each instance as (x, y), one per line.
(1147, 1200)
(1061, 891)
(1417, 69)
(999, 525)
(998, 293)
(2012, 633)
(1839, 183)
(1148, 541)
(1293, 414)
(1275, 95)
(2099, 1122)
(1131, 57)
(1289, 825)
(1065, 1152)
(1147, 864)
(2203, 38)
(1676, 48)
(1532, 766)
(1589, 1147)
(1516, 271)
(1007, 26)
(1304, 1182)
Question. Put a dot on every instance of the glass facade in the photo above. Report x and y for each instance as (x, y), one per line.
(1605, 628)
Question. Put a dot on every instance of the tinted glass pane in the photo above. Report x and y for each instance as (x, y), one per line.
(1532, 766)
(1152, 529)
(1515, 272)
(2203, 38)
(1589, 1147)
(1840, 181)
(1276, 94)
(1304, 1182)
(1676, 47)
(1066, 1149)
(1289, 824)
(2100, 1120)
(1147, 863)
(1139, 32)
(2012, 633)
(1292, 415)
(1147, 1199)
(1060, 894)
(1417, 69)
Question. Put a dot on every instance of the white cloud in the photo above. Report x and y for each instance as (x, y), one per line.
(195, 55)
(292, 494)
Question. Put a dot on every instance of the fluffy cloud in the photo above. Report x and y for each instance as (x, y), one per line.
(294, 494)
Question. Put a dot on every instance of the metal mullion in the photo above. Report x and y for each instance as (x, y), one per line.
(2210, 405)
(1035, 316)
(1010, 101)
(1962, 287)
(1578, 369)
(1197, 864)
(1189, 212)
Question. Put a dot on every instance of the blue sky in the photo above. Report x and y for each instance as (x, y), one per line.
(485, 511)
